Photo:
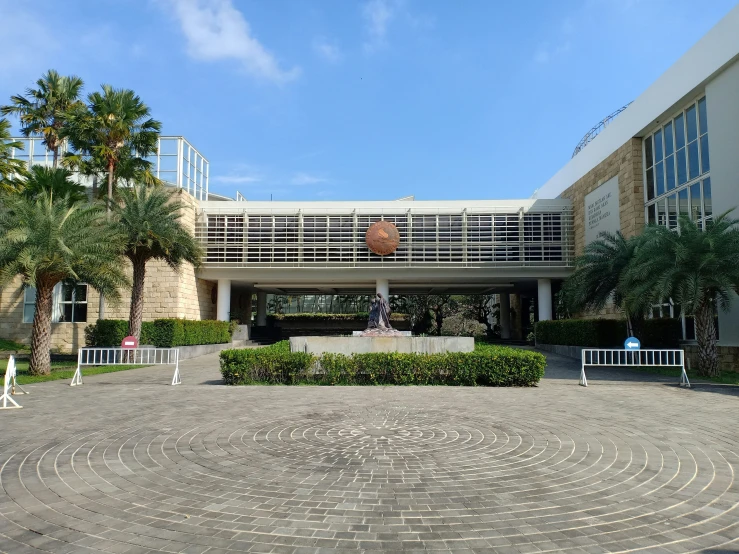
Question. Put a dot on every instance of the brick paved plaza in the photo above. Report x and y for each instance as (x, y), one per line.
(127, 463)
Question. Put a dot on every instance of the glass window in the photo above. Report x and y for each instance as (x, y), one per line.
(670, 171)
(660, 174)
(661, 215)
(648, 152)
(29, 304)
(705, 162)
(682, 170)
(707, 202)
(650, 183)
(692, 125)
(669, 144)
(651, 215)
(69, 303)
(695, 202)
(682, 202)
(672, 211)
(702, 116)
(679, 131)
(693, 169)
(658, 145)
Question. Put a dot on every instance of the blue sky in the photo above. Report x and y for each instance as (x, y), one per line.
(366, 99)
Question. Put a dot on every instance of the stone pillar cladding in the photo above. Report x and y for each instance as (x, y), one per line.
(627, 164)
(505, 316)
(167, 294)
(516, 319)
(544, 300)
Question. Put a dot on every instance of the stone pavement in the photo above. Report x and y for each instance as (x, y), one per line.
(127, 463)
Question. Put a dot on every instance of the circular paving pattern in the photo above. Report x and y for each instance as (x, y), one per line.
(386, 477)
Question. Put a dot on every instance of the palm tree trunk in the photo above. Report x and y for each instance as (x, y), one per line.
(40, 363)
(136, 313)
(111, 168)
(56, 156)
(705, 334)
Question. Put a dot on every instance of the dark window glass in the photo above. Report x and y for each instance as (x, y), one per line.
(693, 169)
(660, 176)
(695, 202)
(650, 183)
(682, 202)
(661, 216)
(702, 116)
(669, 144)
(648, 155)
(707, 201)
(651, 217)
(705, 161)
(682, 170)
(670, 171)
(672, 211)
(679, 131)
(658, 145)
(692, 125)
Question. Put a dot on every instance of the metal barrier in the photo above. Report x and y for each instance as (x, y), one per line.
(9, 386)
(631, 358)
(127, 356)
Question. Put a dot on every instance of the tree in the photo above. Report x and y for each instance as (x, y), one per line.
(441, 305)
(149, 218)
(115, 130)
(56, 183)
(480, 308)
(10, 168)
(43, 111)
(598, 278)
(46, 240)
(697, 269)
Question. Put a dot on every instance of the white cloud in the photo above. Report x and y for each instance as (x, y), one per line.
(236, 179)
(216, 30)
(306, 179)
(329, 51)
(544, 54)
(377, 16)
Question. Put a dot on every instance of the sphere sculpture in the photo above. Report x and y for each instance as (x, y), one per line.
(382, 238)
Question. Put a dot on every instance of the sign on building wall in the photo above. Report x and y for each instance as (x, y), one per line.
(602, 210)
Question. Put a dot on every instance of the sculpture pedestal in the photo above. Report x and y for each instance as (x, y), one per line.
(366, 345)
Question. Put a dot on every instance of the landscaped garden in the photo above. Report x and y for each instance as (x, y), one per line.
(488, 365)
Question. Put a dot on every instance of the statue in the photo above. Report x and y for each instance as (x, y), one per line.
(379, 318)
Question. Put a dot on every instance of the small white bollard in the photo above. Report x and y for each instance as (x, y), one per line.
(8, 386)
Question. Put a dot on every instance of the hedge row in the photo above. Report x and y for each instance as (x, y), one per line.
(486, 366)
(321, 316)
(162, 333)
(608, 333)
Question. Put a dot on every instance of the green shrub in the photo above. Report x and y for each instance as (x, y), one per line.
(169, 333)
(111, 332)
(488, 365)
(608, 333)
(594, 333)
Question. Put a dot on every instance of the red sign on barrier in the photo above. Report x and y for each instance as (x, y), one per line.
(130, 343)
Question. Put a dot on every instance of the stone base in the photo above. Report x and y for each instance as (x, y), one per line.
(397, 334)
(366, 345)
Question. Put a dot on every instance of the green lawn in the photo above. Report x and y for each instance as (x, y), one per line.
(6, 344)
(63, 370)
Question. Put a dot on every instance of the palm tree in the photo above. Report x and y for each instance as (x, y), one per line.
(149, 218)
(43, 111)
(56, 183)
(114, 131)
(598, 279)
(695, 268)
(10, 167)
(46, 240)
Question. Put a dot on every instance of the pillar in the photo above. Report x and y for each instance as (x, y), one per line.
(505, 316)
(223, 307)
(383, 286)
(249, 294)
(517, 320)
(544, 300)
(261, 308)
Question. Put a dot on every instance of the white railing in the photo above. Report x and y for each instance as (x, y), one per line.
(633, 358)
(9, 386)
(127, 356)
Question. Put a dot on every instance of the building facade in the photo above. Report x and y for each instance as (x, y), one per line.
(673, 150)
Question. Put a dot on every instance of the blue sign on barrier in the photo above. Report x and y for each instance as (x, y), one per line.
(632, 343)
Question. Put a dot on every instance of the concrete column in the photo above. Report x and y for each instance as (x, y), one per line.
(261, 308)
(505, 316)
(248, 307)
(223, 309)
(383, 286)
(517, 321)
(545, 299)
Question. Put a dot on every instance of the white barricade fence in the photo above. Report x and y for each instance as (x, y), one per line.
(633, 358)
(9, 386)
(127, 356)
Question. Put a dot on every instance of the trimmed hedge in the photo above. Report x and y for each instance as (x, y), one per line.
(322, 316)
(488, 365)
(162, 333)
(608, 333)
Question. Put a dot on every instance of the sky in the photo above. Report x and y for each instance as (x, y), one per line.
(363, 99)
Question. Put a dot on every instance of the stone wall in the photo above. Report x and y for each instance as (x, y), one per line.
(166, 294)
